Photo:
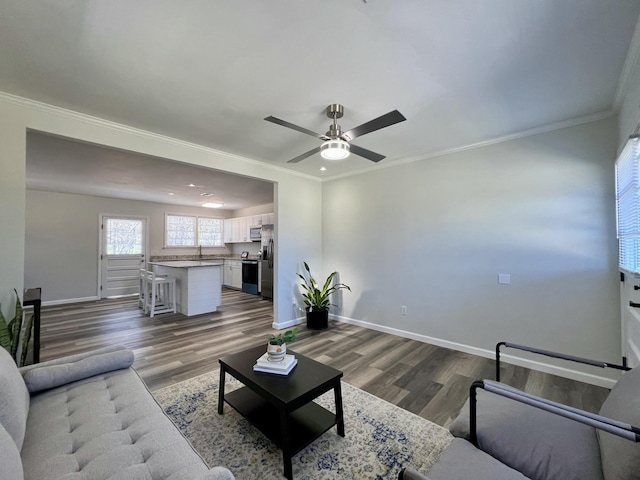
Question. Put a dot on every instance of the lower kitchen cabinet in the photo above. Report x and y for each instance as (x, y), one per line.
(232, 276)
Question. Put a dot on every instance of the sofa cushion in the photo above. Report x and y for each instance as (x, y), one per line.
(11, 468)
(48, 376)
(541, 445)
(462, 461)
(14, 399)
(620, 457)
(107, 426)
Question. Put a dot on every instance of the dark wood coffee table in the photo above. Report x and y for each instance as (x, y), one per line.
(281, 406)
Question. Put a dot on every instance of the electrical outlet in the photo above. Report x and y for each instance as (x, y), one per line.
(504, 279)
(403, 309)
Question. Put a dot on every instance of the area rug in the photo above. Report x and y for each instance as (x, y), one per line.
(380, 438)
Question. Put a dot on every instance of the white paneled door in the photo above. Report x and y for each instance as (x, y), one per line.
(122, 256)
(630, 309)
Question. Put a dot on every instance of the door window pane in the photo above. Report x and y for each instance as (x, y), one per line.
(124, 237)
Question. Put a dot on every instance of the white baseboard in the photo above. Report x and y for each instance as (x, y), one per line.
(70, 300)
(288, 324)
(521, 362)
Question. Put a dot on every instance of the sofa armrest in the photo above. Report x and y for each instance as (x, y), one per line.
(217, 473)
(56, 373)
(562, 356)
(72, 358)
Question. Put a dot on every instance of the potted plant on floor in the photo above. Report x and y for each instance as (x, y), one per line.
(277, 345)
(316, 299)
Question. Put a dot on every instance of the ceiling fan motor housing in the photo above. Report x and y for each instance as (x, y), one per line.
(335, 110)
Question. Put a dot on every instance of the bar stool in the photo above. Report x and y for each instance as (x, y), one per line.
(143, 290)
(160, 294)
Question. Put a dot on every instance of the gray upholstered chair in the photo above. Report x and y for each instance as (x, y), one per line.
(506, 434)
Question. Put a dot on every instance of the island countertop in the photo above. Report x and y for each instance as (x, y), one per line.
(189, 263)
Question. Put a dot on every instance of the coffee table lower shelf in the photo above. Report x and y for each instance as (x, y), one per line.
(305, 424)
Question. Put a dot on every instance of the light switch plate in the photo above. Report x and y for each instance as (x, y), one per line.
(504, 279)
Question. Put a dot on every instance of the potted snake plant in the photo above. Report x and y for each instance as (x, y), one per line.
(317, 299)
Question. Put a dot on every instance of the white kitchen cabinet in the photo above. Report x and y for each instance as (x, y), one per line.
(232, 276)
(228, 231)
(236, 274)
(237, 230)
(240, 230)
(227, 276)
(267, 219)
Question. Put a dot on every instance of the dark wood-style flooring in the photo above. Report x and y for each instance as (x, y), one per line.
(430, 381)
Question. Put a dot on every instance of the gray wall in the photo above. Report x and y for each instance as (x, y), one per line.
(62, 239)
(433, 235)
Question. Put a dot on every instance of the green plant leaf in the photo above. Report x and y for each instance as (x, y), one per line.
(17, 328)
(25, 341)
(5, 333)
(316, 298)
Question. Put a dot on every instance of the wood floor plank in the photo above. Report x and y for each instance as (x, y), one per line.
(428, 380)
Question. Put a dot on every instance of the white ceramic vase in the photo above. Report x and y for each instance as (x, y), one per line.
(275, 353)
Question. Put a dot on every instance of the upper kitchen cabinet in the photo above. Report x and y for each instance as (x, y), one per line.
(236, 230)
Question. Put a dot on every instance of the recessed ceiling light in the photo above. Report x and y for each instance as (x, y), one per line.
(191, 185)
(323, 169)
(204, 194)
(171, 193)
(213, 205)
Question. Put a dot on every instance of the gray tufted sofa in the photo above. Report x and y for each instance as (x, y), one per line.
(89, 417)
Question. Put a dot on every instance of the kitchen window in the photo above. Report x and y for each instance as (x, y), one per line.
(193, 231)
(628, 205)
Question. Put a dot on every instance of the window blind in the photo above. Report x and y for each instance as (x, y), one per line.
(628, 205)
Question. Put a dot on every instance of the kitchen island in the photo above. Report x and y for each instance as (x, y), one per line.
(198, 284)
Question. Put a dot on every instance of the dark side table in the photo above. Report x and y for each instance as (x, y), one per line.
(33, 297)
(281, 406)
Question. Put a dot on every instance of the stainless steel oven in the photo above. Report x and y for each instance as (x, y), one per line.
(250, 276)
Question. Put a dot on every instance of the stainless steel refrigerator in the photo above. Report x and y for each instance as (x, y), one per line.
(267, 262)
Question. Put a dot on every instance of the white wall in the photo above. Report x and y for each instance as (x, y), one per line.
(12, 204)
(629, 117)
(434, 234)
(62, 239)
(17, 115)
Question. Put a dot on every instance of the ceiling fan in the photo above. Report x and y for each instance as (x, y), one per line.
(336, 143)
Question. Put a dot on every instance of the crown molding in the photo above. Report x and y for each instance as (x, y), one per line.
(630, 64)
(514, 136)
(81, 117)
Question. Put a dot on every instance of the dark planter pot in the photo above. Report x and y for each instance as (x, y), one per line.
(317, 319)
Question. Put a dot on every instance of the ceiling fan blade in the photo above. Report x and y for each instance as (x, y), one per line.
(305, 155)
(363, 152)
(284, 123)
(383, 121)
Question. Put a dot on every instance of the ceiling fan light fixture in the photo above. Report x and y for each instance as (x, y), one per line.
(334, 150)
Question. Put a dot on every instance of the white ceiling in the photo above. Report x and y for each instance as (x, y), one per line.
(60, 165)
(208, 71)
